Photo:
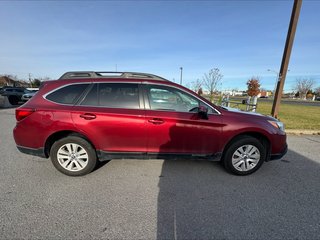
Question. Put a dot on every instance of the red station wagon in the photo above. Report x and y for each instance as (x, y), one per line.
(85, 117)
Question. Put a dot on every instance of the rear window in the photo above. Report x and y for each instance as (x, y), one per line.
(68, 94)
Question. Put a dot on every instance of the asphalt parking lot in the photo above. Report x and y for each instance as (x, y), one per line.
(136, 199)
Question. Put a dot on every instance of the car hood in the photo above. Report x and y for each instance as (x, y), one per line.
(229, 109)
(240, 111)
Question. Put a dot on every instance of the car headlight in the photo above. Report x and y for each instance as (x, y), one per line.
(277, 124)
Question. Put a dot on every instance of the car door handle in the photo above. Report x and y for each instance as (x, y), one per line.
(156, 121)
(88, 116)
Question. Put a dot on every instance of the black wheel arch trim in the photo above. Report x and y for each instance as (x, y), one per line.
(265, 141)
(61, 134)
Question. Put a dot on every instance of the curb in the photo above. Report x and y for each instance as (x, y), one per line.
(302, 132)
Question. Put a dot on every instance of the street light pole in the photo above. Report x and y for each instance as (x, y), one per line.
(181, 75)
(275, 86)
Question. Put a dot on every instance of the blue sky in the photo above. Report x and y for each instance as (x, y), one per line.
(241, 38)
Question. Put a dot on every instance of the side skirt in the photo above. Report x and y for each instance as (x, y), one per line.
(105, 156)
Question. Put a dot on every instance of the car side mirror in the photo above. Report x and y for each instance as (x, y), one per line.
(203, 112)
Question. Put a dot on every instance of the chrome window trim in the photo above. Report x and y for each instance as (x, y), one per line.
(76, 83)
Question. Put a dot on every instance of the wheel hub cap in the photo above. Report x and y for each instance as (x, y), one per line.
(245, 158)
(72, 157)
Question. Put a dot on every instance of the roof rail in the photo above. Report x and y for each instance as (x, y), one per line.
(92, 74)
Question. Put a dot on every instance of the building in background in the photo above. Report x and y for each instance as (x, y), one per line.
(7, 81)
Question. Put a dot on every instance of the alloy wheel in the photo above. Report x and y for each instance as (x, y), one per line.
(245, 158)
(72, 157)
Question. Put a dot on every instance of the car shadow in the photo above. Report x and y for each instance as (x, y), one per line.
(100, 164)
(200, 200)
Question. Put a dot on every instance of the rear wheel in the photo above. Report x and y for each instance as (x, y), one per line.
(73, 156)
(244, 156)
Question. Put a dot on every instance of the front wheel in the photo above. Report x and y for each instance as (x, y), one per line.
(73, 156)
(244, 156)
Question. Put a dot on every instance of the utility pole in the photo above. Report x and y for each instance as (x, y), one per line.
(277, 78)
(30, 80)
(286, 56)
(181, 75)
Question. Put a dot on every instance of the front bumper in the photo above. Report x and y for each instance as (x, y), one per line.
(279, 155)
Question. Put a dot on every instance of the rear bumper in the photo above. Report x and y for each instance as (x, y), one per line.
(279, 155)
(32, 151)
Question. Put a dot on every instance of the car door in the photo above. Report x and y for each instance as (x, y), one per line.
(174, 125)
(113, 115)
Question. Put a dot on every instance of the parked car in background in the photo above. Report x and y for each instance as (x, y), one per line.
(14, 94)
(85, 117)
(29, 94)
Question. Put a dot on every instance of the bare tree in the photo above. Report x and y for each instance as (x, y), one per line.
(211, 81)
(317, 91)
(196, 85)
(36, 83)
(303, 85)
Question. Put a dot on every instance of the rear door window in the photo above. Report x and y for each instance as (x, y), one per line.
(113, 95)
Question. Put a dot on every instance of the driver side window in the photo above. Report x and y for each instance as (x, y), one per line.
(170, 99)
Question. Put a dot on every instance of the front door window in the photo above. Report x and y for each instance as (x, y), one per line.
(171, 99)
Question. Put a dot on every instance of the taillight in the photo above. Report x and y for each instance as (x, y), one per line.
(22, 113)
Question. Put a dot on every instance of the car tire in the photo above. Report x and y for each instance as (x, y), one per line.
(73, 156)
(13, 100)
(244, 156)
